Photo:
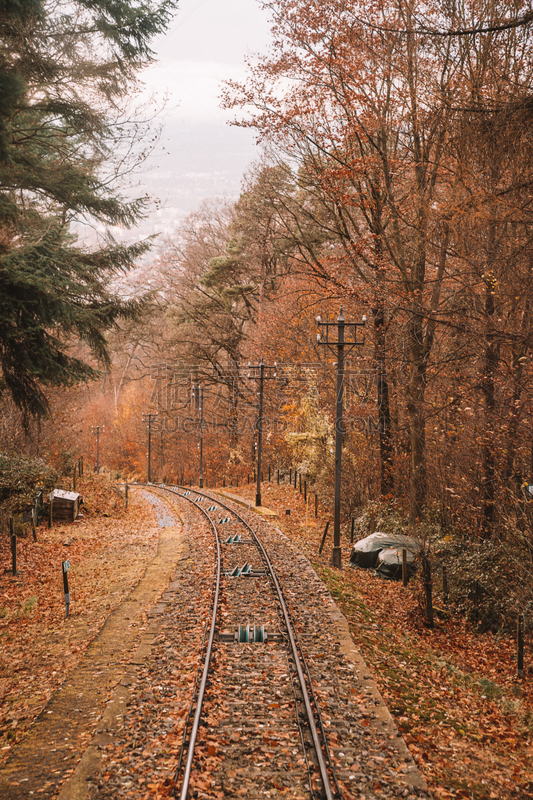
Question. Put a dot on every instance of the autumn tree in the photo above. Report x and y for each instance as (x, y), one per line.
(492, 238)
(365, 114)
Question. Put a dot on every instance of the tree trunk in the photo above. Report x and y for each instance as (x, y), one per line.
(384, 415)
(514, 419)
(417, 437)
(487, 384)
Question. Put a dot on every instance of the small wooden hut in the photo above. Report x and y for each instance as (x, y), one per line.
(65, 505)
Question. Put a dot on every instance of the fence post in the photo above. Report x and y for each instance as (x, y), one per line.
(404, 566)
(269, 474)
(305, 491)
(476, 601)
(428, 590)
(444, 586)
(352, 530)
(13, 545)
(323, 538)
(33, 527)
(278, 477)
(295, 478)
(290, 476)
(520, 645)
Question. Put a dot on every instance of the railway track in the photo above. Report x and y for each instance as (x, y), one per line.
(254, 696)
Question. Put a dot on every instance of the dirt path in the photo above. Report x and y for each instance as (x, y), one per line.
(77, 716)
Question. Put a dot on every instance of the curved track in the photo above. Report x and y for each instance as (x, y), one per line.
(233, 588)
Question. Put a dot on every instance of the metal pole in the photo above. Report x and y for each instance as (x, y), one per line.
(323, 538)
(201, 437)
(64, 568)
(259, 433)
(336, 559)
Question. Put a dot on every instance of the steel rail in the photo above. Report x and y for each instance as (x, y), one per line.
(201, 691)
(301, 677)
(323, 769)
(330, 795)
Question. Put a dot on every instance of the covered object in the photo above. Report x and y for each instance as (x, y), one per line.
(383, 552)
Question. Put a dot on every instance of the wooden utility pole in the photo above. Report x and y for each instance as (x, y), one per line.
(149, 416)
(341, 347)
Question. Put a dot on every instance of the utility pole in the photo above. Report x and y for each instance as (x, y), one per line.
(260, 372)
(97, 429)
(149, 417)
(259, 433)
(198, 394)
(338, 347)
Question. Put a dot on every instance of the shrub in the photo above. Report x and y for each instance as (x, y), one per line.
(489, 581)
(21, 479)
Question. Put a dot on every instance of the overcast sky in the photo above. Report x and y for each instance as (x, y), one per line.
(206, 43)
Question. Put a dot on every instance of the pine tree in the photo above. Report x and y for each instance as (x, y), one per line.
(65, 69)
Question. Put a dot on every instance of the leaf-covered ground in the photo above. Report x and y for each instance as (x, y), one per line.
(454, 692)
(108, 551)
